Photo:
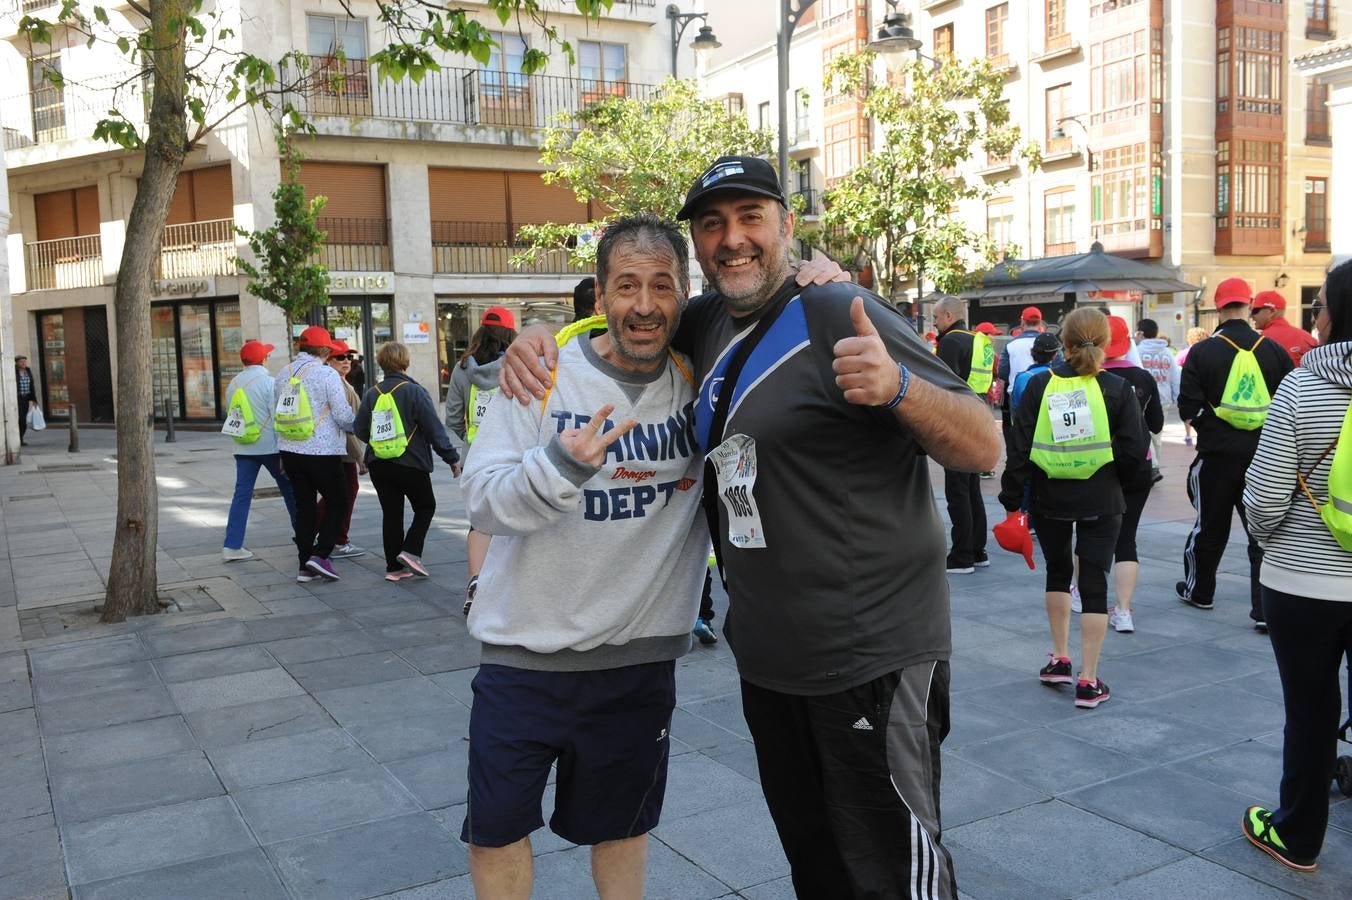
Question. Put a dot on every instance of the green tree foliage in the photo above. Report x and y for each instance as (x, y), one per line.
(286, 273)
(630, 155)
(893, 212)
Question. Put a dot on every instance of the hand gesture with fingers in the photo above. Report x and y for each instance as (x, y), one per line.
(864, 370)
(589, 443)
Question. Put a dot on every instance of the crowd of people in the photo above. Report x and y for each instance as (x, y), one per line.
(658, 425)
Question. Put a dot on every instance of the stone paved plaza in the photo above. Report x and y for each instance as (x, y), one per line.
(269, 739)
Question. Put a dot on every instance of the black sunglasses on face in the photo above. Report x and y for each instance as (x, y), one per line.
(341, 358)
(1316, 309)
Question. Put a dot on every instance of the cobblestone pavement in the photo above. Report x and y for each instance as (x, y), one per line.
(270, 739)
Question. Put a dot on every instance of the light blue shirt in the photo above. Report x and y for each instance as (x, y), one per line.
(258, 386)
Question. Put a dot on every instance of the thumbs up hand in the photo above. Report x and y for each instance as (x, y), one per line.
(864, 370)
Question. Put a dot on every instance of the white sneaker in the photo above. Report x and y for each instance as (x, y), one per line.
(1121, 620)
(1076, 605)
(346, 551)
(235, 554)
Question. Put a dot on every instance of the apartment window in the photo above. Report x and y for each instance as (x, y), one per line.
(1316, 215)
(734, 104)
(1316, 113)
(1058, 108)
(1059, 222)
(802, 115)
(943, 41)
(1317, 25)
(996, 17)
(1126, 76)
(1248, 184)
(334, 35)
(49, 99)
(846, 144)
(1000, 221)
(1127, 189)
(501, 78)
(1223, 70)
(763, 120)
(1057, 34)
(603, 62)
(1254, 82)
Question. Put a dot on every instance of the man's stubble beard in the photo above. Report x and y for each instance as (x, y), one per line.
(754, 297)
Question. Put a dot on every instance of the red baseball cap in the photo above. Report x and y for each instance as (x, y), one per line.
(315, 336)
(499, 315)
(1031, 314)
(253, 353)
(339, 347)
(986, 328)
(1013, 535)
(1269, 300)
(1119, 340)
(1232, 291)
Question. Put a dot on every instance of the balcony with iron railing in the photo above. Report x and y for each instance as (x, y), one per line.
(355, 244)
(809, 202)
(62, 263)
(48, 114)
(198, 249)
(485, 248)
(465, 97)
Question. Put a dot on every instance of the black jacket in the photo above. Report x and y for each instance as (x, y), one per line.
(955, 349)
(1204, 374)
(419, 415)
(1101, 493)
(1147, 395)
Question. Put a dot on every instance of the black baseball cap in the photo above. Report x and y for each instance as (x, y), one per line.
(1046, 343)
(748, 174)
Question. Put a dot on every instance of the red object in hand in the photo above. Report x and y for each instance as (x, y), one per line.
(1013, 535)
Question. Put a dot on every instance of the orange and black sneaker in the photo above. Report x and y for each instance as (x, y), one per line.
(1257, 826)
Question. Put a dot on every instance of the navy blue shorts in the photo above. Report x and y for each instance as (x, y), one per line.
(607, 732)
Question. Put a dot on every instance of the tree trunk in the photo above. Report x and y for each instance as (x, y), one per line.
(132, 581)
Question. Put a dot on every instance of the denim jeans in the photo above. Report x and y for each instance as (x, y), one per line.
(246, 473)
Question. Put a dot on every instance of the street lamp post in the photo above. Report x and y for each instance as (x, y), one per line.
(704, 40)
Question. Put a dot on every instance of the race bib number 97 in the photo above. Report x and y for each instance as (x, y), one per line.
(1070, 416)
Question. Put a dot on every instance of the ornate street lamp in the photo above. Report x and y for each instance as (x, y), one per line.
(704, 41)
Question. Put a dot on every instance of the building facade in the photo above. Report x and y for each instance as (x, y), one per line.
(426, 186)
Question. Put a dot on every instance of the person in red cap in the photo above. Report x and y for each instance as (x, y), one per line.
(1029, 320)
(314, 459)
(257, 384)
(500, 316)
(1224, 416)
(354, 463)
(1269, 314)
(1016, 358)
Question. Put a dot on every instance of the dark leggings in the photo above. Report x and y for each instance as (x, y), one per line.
(394, 483)
(313, 477)
(1126, 536)
(1093, 541)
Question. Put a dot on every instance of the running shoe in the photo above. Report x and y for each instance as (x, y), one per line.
(413, 563)
(469, 594)
(1076, 604)
(958, 569)
(1056, 671)
(305, 576)
(347, 551)
(235, 554)
(1257, 827)
(323, 568)
(705, 633)
(1260, 626)
(1188, 440)
(398, 575)
(1089, 694)
(1121, 620)
(1181, 589)
(982, 560)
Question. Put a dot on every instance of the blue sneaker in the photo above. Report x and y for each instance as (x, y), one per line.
(704, 632)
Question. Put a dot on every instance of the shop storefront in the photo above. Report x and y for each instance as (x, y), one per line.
(361, 314)
(194, 355)
(74, 364)
(458, 318)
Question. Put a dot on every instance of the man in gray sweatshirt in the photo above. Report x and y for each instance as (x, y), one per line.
(578, 652)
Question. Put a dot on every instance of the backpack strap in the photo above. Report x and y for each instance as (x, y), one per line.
(390, 393)
(1301, 479)
(1240, 349)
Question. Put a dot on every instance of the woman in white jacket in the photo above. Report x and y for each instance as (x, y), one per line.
(1306, 576)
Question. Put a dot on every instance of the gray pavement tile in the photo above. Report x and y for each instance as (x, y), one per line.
(288, 758)
(18, 727)
(741, 758)
(23, 792)
(16, 694)
(13, 666)
(566, 875)
(211, 663)
(415, 634)
(1223, 708)
(1056, 849)
(966, 674)
(1189, 879)
(322, 646)
(153, 838)
(696, 784)
(258, 721)
(280, 812)
(1184, 811)
(86, 654)
(394, 612)
(29, 843)
(1138, 677)
(343, 598)
(968, 792)
(737, 843)
(244, 874)
(456, 682)
(702, 734)
(295, 606)
(435, 779)
(119, 744)
(1252, 768)
(43, 882)
(82, 794)
(192, 638)
(1150, 736)
(779, 889)
(1329, 881)
(724, 711)
(971, 724)
(233, 690)
(699, 678)
(101, 710)
(349, 671)
(282, 627)
(462, 653)
(390, 700)
(369, 860)
(1032, 702)
(982, 877)
(1047, 762)
(458, 888)
(99, 680)
(393, 739)
(1261, 683)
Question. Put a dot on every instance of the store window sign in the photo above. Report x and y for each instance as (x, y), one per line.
(361, 283)
(417, 333)
(181, 288)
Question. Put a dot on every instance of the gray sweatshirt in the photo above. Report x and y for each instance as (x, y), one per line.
(468, 374)
(589, 568)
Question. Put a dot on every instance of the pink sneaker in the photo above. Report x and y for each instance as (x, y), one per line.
(413, 563)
